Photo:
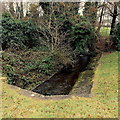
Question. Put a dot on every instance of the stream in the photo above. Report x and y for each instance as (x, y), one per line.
(67, 82)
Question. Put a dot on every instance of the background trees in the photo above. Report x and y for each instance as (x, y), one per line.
(55, 22)
(90, 11)
(114, 13)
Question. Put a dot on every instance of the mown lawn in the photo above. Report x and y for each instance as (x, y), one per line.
(103, 104)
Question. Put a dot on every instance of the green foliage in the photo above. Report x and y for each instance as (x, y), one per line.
(43, 66)
(82, 35)
(90, 11)
(28, 68)
(36, 64)
(117, 36)
(41, 48)
(17, 33)
(11, 74)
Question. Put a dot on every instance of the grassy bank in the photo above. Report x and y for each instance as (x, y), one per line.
(103, 103)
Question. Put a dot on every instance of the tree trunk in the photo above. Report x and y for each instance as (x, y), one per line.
(99, 25)
(113, 20)
(11, 9)
(21, 10)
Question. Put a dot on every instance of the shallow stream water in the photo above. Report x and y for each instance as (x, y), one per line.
(62, 82)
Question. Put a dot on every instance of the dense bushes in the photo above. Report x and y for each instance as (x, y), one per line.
(21, 33)
(17, 33)
(82, 35)
(117, 36)
(79, 33)
(28, 68)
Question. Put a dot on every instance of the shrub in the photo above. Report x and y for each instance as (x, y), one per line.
(117, 36)
(11, 74)
(27, 68)
(17, 33)
(82, 35)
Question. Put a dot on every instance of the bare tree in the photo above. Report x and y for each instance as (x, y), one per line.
(11, 9)
(55, 15)
(113, 12)
(100, 17)
(114, 16)
(21, 10)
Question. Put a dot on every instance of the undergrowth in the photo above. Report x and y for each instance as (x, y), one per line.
(27, 69)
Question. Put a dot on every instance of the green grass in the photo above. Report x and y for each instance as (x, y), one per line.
(105, 31)
(103, 104)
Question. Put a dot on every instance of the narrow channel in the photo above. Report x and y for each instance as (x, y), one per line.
(63, 82)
